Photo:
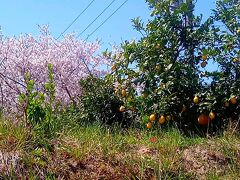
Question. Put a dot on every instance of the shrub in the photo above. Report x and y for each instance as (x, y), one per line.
(40, 107)
(98, 103)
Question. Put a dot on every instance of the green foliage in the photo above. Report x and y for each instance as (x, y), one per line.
(98, 103)
(38, 106)
(32, 102)
(225, 51)
(50, 91)
(168, 64)
(223, 48)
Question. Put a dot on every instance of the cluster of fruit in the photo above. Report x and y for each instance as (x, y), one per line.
(161, 119)
(204, 119)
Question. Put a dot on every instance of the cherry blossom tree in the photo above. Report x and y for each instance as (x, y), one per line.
(72, 59)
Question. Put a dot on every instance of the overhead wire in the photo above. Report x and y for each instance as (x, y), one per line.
(107, 19)
(96, 18)
(76, 19)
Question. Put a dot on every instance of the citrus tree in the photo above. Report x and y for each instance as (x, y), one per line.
(225, 87)
(163, 75)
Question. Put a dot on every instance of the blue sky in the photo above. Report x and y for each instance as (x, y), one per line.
(23, 16)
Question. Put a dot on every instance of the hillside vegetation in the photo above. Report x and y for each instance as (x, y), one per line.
(159, 112)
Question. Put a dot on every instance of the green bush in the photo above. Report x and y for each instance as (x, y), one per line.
(99, 103)
(38, 106)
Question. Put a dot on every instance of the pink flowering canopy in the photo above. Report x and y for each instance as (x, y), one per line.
(72, 59)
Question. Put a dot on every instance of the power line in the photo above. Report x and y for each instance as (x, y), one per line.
(96, 18)
(106, 19)
(76, 19)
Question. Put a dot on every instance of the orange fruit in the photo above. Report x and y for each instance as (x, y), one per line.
(203, 64)
(124, 93)
(162, 120)
(152, 117)
(196, 100)
(212, 115)
(122, 109)
(234, 100)
(203, 119)
(149, 125)
(204, 57)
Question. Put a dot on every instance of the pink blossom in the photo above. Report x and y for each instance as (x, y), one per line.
(72, 59)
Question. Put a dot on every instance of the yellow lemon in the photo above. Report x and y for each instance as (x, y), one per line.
(196, 100)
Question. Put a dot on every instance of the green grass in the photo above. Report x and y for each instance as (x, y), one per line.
(13, 137)
(88, 152)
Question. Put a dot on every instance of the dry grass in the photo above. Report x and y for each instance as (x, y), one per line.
(94, 153)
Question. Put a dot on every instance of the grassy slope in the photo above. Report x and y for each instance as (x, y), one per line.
(94, 153)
